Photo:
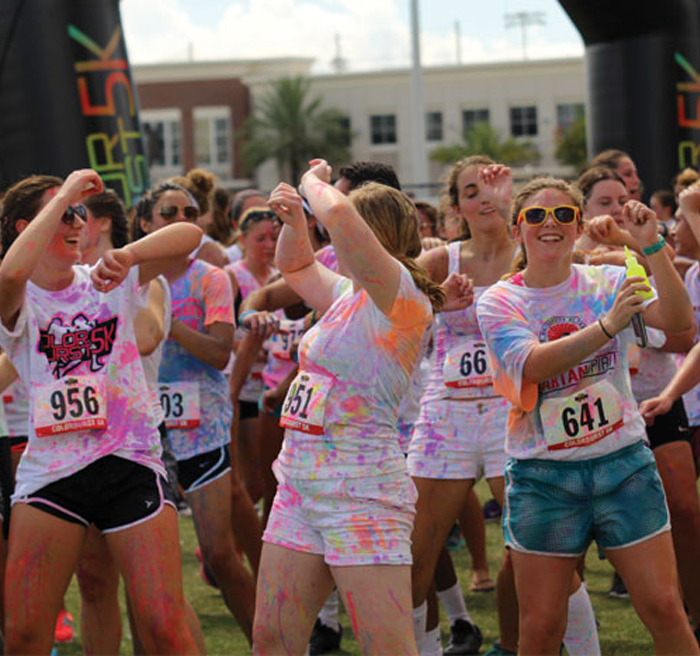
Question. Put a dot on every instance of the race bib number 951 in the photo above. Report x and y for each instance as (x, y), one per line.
(583, 418)
(74, 403)
(305, 404)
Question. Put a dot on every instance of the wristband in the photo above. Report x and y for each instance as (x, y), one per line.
(245, 314)
(605, 332)
(654, 248)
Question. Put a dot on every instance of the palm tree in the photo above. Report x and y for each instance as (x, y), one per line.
(482, 139)
(292, 128)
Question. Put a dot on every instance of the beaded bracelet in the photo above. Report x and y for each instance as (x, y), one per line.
(654, 248)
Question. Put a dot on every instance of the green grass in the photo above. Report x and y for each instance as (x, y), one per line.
(621, 632)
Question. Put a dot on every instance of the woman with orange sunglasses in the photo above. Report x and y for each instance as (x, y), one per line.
(557, 335)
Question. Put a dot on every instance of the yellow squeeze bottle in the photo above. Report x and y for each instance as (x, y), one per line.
(635, 269)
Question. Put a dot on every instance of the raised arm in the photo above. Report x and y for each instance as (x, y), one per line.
(23, 256)
(370, 265)
(295, 257)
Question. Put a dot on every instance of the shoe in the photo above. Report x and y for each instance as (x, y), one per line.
(64, 627)
(183, 510)
(324, 639)
(465, 638)
(492, 511)
(497, 650)
(455, 540)
(618, 589)
(482, 585)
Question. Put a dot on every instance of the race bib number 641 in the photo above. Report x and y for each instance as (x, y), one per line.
(583, 418)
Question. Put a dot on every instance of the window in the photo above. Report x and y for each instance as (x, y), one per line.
(163, 137)
(568, 114)
(470, 117)
(212, 137)
(433, 126)
(383, 129)
(523, 121)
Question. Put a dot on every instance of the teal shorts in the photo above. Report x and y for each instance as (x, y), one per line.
(557, 508)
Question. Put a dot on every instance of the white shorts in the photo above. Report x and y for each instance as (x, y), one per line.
(460, 439)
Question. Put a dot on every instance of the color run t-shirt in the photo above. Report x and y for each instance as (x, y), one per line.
(198, 400)
(87, 391)
(358, 362)
(582, 413)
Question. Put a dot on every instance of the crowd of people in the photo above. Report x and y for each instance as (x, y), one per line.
(320, 376)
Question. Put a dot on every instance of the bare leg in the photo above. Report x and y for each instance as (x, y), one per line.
(471, 519)
(272, 436)
(249, 439)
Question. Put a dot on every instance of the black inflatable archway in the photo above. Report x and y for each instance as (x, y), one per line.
(67, 99)
(643, 78)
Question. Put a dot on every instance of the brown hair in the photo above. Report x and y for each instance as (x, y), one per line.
(109, 205)
(520, 201)
(23, 201)
(450, 186)
(394, 220)
(592, 176)
(220, 227)
(686, 178)
(200, 184)
(610, 158)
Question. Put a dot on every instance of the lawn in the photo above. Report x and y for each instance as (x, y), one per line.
(621, 632)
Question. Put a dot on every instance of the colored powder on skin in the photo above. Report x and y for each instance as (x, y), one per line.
(352, 613)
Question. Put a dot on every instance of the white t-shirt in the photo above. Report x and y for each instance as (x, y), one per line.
(77, 351)
(585, 412)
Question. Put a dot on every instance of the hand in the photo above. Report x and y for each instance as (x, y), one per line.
(459, 291)
(272, 399)
(498, 187)
(659, 405)
(81, 184)
(604, 230)
(321, 169)
(689, 201)
(286, 203)
(641, 223)
(627, 303)
(111, 270)
(431, 242)
(260, 323)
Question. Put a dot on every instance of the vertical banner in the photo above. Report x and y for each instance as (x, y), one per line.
(643, 85)
(67, 99)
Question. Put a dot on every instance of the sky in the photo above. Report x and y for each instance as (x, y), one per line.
(373, 34)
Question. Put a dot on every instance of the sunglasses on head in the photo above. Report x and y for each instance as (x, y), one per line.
(73, 213)
(171, 211)
(563, 214)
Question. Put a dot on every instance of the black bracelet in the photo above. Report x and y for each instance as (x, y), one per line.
(605, 332)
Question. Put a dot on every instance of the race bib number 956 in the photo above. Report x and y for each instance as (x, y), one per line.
(583, 418)
(74, 403)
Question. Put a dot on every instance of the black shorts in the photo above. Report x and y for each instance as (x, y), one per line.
(249, 410)
(671, 427)
(18, 444)
(201, 470)
(113, 493)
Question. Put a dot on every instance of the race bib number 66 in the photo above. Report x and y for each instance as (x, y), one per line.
(74, 403)
(583, 418)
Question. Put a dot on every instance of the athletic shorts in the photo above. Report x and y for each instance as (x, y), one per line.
(248, 409)
(201, 470)
(459, 440)
(671, 427)
(18, 444)
(113, 493)
(349, 521)
(556, 508)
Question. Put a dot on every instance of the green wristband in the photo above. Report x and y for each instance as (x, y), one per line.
(654, 248)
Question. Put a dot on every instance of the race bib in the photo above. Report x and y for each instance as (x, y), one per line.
(583, 418)
(74, 403)
(180, 403)
(305, 404)
(282, 342)
(467, 365)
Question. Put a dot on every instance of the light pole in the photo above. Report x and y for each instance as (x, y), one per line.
(524, 19)
(417, 106)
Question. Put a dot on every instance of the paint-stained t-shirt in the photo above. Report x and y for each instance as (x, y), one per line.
(367, 358)
(76, 351)
(582, 413)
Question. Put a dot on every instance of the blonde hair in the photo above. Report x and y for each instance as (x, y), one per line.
(520, 200)
(394, 221)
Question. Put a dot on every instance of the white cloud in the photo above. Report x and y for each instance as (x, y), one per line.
(373, 34)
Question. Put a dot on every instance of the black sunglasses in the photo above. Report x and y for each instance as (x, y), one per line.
(74, 213)
(171, 211)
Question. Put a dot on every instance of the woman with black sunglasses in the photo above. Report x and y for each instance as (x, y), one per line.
(93, 454)
(194, 394)
(558, 335)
